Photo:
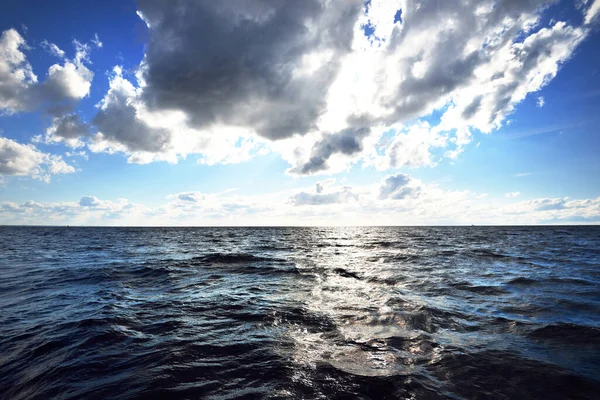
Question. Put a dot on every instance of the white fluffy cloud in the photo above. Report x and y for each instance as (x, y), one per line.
(16, 75)
(63, 86)
(25, 160)
(20, 90)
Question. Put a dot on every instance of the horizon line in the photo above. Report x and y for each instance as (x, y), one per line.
(297, 226)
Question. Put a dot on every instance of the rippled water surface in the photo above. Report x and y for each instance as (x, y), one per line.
(423, 313)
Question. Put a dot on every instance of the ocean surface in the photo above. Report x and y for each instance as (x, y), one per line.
(300, 313)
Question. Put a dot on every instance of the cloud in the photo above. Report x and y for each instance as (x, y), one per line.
(549, 204)
(96, 41)
(118, 119)
(339, 205)
(16, 74)
(89, 201)
(64, 85)
(398, 187)
(257, 64)
(70, 81)
(347, 142)
(25, 160)
(484, 70)
(511, 195)
(81, 154)
(88, 211)
(53, 49)
(343, 195)
(320, 186)
(193, 197)
(124, 124)
(473, 63)
(328, 85)
(540, 102)
(409, 146)
(226, 207)
(68, 128)
(593, 11)
(105, 210)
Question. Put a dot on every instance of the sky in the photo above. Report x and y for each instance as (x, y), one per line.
(314, 112)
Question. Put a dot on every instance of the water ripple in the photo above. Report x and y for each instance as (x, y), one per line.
(420, 313)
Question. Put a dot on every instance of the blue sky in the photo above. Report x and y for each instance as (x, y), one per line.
(196, 113)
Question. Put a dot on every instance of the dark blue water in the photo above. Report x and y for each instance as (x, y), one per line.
(220, 313)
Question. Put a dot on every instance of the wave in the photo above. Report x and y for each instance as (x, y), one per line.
(232, 258)
(401, 258)
(571, 281)
(203, 313)
(347, 274)
(479, 289)
(385, 244)
(523, 281)
(508, 375)
(568, 333)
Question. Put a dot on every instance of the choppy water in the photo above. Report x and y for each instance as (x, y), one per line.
(464, 312)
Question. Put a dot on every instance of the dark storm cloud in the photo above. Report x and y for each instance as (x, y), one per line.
(347, 141)
(123, 126)
(118, 120)
(70, 126)
(237, 61)
(472, 108)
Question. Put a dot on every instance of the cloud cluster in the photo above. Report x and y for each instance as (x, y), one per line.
(327, 84)
(88, 211)
(63, 86)
(20, 90)
(288, 70)
(26, 160)
(384, 203)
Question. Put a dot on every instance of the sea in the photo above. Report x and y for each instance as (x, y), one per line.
(300, 313)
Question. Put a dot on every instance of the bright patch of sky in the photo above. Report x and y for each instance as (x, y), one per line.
(385, 112)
